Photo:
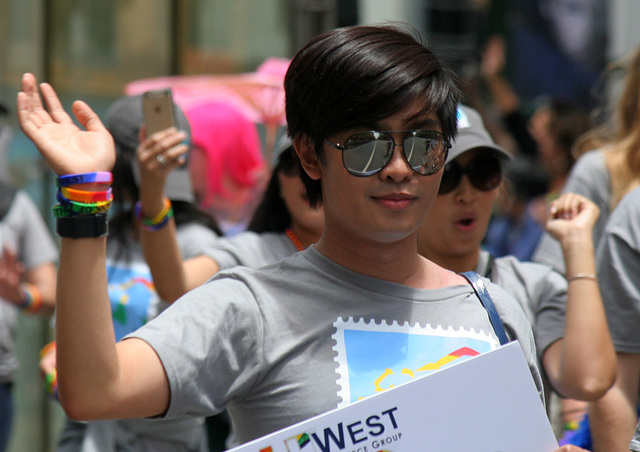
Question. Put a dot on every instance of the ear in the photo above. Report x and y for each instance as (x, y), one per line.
(308, 159)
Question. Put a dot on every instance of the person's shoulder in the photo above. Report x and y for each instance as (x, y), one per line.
(512, 265)
(592, 159)
(534, 276)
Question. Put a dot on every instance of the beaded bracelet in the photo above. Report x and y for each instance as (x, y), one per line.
(99, 177)
(159, 221)
(72, 194)
(32, 298)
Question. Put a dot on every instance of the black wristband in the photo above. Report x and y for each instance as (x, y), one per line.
(83, 226)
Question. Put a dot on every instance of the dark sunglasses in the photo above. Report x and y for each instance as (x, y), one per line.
(483, 172)
(366, 153)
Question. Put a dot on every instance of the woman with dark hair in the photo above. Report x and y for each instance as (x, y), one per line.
(283, 224)
(134, 301)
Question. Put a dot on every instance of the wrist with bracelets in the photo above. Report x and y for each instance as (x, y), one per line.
(157, 222)
(81, 213)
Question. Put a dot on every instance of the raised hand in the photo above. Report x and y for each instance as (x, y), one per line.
(572, 215)
(158, 155)
(493, 57)
(67, 148)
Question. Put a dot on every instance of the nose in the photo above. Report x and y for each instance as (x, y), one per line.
(465, 191)
(397, 168)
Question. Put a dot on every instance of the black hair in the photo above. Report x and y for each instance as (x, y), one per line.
(272, 214)
(355, 76)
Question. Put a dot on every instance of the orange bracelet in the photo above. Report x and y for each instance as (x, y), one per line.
(47, 348)
(73, 194)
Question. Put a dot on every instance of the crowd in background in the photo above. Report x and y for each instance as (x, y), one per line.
(538, 197)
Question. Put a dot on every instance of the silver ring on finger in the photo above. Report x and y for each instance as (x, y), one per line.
(161, 160)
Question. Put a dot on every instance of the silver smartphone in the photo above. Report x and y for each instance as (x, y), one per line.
(158, 110)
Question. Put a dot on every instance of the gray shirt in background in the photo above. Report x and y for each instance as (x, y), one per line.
(251, 249)
(590, 178)
(23, 230)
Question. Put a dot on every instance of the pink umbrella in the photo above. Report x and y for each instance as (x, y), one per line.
(258, 95)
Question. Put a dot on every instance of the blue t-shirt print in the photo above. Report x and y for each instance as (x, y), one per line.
(134, 300)
(374, 357)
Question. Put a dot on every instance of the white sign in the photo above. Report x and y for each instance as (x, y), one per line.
(486, 404)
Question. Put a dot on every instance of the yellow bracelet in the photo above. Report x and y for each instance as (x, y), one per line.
(589, 276)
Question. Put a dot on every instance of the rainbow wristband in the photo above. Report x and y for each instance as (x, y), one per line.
(72, 194)
(32, 298)
(65, 201)
(157, 222)
(99, 177)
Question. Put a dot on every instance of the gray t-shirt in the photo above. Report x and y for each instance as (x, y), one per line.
(618, 264)
(286, 342)
(635, 441)
(590, 178)
(540, 291)
(23, 230)
(251, 249)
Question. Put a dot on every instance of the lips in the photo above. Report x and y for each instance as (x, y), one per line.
(466, 223)
(395, 201)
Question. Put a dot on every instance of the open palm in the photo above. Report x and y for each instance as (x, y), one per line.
(67, 148)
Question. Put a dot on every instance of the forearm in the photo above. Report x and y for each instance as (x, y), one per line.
(613, 417)
(587, 359)
(88, 367)
(162, 253)
(503, 94)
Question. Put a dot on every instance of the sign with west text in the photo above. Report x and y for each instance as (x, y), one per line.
(488, 403)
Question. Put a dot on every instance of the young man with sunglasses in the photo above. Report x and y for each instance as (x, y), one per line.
(569, 323)
(274, 345)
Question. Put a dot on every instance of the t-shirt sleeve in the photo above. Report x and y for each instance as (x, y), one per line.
(250, 249)
(550, 311)
(194, 239)
(210, 343)
(589, 178)
(618, 263)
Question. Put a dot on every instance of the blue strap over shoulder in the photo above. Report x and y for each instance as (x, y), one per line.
(483, 294)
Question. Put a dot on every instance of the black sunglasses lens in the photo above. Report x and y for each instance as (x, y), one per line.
(450, 178)
(367, 153)
(485, 173)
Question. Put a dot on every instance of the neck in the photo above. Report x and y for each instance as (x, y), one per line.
(457, 264)
(305, 236)
(397, 261)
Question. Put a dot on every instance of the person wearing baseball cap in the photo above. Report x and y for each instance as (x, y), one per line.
(451, 235)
